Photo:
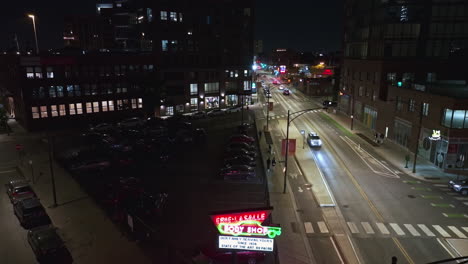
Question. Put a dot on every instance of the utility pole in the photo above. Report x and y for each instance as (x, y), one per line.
(286, 155)
(268, 111)
(352, 108)
(417, 138)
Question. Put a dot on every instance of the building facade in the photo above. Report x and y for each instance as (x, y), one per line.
(403, 74)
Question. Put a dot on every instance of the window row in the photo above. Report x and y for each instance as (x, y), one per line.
(71, 90)
(455, 118)
(49, 72)
(45, 111)
(171, 16)
(179, 45)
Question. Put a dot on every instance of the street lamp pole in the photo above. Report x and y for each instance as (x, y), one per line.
(352, 108)
(35, 32)
(417, 138)
(268, 112)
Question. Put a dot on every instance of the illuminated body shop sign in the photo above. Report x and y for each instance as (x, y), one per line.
(248, 228)
(246, 243)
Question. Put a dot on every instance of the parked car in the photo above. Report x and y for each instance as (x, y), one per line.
(31, 213)
(19, 189)
(281, 87)
(243, 128)
(241, 145)
(242, 138)
(216, 112)
(314, 140)
(47, 245)
(240, 160)
(268, 95)
(460, 186)
(241, 152)
(328, 103)
(286, 92)
(96, 164)
(131, 123)
(234, 109)
(238, 172)
(155, 121)
(102, 128)
(198, 115)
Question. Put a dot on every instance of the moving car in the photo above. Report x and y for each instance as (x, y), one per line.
(48, 246)
(286, 92)
(281, 87)
(268, 95)
(216, 112)
(31, 213)
(19, 189)
(314, 140)
(242, 138)
(328, 103)
(460, 186)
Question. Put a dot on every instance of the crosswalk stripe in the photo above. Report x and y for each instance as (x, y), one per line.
(426, 230)
(367, 227)
(397, 229)
(323, 227)
(440, 185)
(308, 227)
(352, 227)
(441, 230)
(412, 230)
(383, 229)
(465, 203)
(457, 232)
(461, 198)
(465, 228)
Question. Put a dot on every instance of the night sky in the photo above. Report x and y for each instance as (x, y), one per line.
(304, 26)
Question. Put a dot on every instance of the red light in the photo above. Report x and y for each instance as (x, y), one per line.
(327, 72)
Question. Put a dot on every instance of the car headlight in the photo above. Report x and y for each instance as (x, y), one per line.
(457, 186)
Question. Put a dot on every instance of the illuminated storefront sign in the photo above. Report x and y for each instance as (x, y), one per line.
(246, 243)
(248, 228)
(282, 68)
(238, 217)
(435, 135)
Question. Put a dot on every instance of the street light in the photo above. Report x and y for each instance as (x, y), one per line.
(301, 112)
(35, 32)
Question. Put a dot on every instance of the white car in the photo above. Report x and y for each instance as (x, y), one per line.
(314, 140)
(281, 87)
(131, 122)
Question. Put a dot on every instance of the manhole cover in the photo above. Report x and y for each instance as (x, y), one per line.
(411, 196)
(345, 206)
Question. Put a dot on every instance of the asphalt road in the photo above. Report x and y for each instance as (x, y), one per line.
(387, 212)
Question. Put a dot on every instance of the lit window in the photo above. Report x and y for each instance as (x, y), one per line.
(164, 45)
(231, 74)
(38, 72)
(35, 112)
(246, 85)
(43, 111)
(89, 108)
(211, 87)
(180, 17)
(72, 109)
(163, 15)
(194, 104)
(246, 73)
(208, 20)
(173, 16)
(149, 14)
(140, 102)
(119, 105)
(70, 90)
(59, 91)
(62, 111)
(95, 107)
(411, 105)
(79, 108)
(50, 72)
(236, 74)
(425, 109)
(52, 92)
(30, 73)
(134, 103)
(53, 110)
(104, 106)
(193, 88)
(170, 110)
(110, 105)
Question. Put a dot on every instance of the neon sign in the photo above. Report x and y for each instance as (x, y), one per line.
(282, 69)
(260, 216)
(248, 228)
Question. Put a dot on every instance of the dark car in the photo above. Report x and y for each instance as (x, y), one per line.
(240, 160)
(286, 92)
(48, 246)
(31, 213)
(216, 112)
(19, 189)
(328, 103)
(237, 173)
(240, 152)
(242, 138)
(460, 186)
(243, 128)
(97, 164)
(241, 145)
(198, 115)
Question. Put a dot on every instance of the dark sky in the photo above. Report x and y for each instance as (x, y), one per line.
(303, 25)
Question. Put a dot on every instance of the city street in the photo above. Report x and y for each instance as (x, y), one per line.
(386, 212)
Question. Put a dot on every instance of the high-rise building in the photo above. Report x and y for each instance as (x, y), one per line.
(403, 74)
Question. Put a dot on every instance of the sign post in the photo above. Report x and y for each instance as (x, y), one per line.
(303, 138)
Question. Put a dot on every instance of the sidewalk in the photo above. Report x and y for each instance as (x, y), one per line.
(89, 235)
(392, 152)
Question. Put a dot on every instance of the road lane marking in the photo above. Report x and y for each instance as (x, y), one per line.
(7, 171)
(397, 229)
(338, 253)
(445, 189)
(412, 230)
(443, 205)
(308, 227)
(367, 227)
(383, 229)
(465, 228)
(465, 203)
(455, 215)
(353, 227)
(323, 227)
(440, 185)
(432, 197)
(426, 230)
(412, 182)
(461, 198)
(457, 232)
(441, 231)
(421, 189)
